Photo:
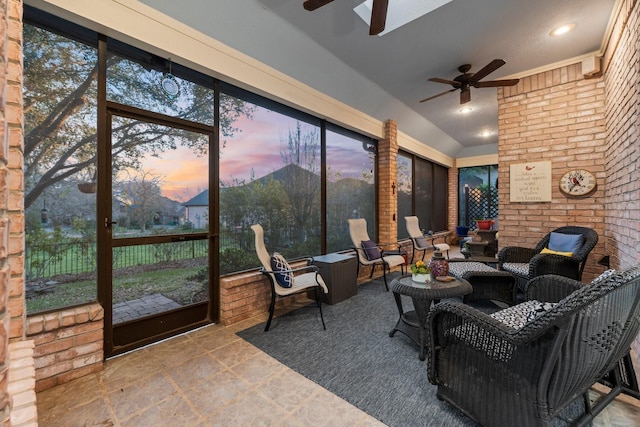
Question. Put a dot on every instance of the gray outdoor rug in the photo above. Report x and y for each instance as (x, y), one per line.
(357, 360)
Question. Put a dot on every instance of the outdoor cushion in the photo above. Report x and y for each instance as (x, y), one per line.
(518, 315)
(281, 270)
(421, 242)
(565, 242)
(549, 251)
(371, 250)
(519, 268)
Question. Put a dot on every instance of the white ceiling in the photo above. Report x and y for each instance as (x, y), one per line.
(330, 50)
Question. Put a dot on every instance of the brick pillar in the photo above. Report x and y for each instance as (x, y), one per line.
(387, 185)
(5, 401)
(452, 211)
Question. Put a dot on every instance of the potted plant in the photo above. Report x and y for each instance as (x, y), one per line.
(420, 272)
(484, 224)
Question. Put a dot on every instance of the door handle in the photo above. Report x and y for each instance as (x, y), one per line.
(108, 224)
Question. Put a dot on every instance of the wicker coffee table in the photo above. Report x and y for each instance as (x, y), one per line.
(414, 323)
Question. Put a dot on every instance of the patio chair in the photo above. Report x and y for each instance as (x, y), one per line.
(534, 363)
(284, 280)
(372, 254)
(419, 240)
(563, 251)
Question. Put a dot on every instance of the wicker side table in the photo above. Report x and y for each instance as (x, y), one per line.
(414, 323)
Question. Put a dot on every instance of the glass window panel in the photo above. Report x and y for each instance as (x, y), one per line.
(160, 179)
(478, 195)
(405, 192)
(151, 86)
(440, 198)
(350, 186)
(59, 169)
(269, 175)
(423, 193)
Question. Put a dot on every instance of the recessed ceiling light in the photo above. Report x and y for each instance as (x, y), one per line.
(466, 110)
(485, 133)
(400, 12)
(563, 29)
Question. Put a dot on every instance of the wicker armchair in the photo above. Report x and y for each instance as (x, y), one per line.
(527, 263)
(540, 371)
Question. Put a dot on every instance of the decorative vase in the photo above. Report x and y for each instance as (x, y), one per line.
(439, 265)
(420, 278)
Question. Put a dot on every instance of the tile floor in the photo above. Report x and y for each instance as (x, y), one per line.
(211, 377)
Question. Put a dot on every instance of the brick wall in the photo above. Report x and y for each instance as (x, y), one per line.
(621, 65)
(68, 344)
(556, 116)
(621, 155)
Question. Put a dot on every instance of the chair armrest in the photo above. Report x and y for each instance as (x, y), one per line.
(551, 288)
(308, 267)
(561, 265)
(516, 254)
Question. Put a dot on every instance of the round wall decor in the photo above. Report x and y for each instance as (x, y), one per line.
(577, 182)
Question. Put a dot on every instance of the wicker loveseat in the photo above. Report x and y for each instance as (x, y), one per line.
(538, 372)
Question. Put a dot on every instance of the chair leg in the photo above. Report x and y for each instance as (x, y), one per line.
(373, 268)
(384, 275)
(318, 298)
(272, 308)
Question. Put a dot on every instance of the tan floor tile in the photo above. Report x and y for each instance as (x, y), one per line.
(208, 398)
(220, 381)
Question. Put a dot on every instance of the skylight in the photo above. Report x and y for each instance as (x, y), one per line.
(400, 12)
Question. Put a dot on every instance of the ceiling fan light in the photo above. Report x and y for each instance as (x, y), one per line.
(563, 29)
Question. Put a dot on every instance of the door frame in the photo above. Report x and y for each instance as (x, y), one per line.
(133, 334)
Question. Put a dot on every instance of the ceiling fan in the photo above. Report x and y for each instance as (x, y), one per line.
(378, 13)
(465, 80)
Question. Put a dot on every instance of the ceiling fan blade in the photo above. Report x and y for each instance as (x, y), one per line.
(497, 83)
(488, 69)
(445, 81)
(465, 96)
(435, 96)
(378, 16)
(314, 4)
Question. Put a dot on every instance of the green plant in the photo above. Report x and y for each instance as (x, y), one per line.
(420, 268)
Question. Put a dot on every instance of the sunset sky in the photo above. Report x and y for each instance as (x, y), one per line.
(256, 147)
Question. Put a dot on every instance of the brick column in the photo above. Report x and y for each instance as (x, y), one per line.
(5, 400)
(387, 185)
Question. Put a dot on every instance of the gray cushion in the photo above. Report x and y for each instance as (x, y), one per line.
(421, 242)
(565, 242)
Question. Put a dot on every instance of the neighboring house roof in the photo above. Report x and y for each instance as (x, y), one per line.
(201, 199)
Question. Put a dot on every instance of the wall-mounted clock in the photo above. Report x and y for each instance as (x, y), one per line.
(577, 182)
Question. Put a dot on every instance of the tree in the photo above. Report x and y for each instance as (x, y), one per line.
(142, 196)
(301, 182)
(60, 110)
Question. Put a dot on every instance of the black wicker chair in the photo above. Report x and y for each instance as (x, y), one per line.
(527, 263)
(541, 371)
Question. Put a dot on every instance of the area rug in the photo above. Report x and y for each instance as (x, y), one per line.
(357, 360)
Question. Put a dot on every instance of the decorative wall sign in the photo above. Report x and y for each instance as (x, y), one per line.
(530, 182)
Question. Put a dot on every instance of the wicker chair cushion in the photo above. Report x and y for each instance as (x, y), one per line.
(371, 250)
(517, 268)
(281, 270)
(549, 251)
(561, 242)
(518, 315)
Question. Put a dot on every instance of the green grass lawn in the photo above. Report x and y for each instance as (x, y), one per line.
(171, 282)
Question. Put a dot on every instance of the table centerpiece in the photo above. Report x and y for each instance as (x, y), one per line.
(420, 272)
